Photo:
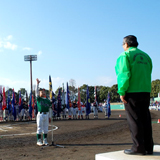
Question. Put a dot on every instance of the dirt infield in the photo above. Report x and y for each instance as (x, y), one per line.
(82, 139)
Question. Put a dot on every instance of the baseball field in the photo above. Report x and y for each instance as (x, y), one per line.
(82, 139)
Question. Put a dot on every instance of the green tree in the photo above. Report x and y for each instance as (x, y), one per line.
(83, 90)
(155, 88)
(104, 93)
(113, 93)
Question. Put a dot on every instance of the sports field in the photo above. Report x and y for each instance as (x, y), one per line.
(82, 139)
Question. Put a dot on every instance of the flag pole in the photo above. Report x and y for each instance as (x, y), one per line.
(51, 98)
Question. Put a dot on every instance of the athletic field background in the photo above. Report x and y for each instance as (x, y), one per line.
(117, 106)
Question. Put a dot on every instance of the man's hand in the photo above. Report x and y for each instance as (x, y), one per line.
(123, 99)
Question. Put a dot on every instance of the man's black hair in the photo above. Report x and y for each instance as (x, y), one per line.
(131, 41)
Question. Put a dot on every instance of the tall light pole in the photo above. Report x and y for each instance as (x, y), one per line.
(30, 58)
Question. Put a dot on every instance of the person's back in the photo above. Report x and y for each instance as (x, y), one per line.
(133, 69)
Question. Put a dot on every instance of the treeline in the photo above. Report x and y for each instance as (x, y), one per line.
(102, 92)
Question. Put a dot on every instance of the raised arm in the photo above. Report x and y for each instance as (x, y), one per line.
(37, 87)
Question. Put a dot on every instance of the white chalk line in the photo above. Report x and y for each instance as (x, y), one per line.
(21, 134)
(2, 128)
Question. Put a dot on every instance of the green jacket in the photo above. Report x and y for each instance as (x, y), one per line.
(133, 70)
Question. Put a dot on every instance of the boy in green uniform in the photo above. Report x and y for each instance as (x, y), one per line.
(43, 116)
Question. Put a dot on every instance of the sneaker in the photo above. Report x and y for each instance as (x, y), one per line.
(45, 142)
(39, 142)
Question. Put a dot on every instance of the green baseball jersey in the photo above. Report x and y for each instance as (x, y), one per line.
(43, 104)
(133, 70)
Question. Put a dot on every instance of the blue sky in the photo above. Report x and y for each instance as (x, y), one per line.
(73, 39)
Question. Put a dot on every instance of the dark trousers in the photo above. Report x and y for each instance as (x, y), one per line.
(139, 120)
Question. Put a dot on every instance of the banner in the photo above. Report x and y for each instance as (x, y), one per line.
(50, 88)
(9, 102)
(79, 100)
(67, 97)
(59, 103)
(20, 102)
(63, 96)
(33, 115)
(30, 105)
(4, 106)
(108, 105)
(13, 105)
(88, 104)
(1, 98)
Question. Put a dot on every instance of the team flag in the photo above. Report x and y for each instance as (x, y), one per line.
(1, 97)
(14, 98)
(4, 106)
(79, 100)
(9, 103)
(95, 95)
(20, 102)
(30, 105)
(63, 96)
(67, 97)
(13, 105)
(33, 107)
(88, 104)
(50, 87)
(53, 98)
(59, 103)
(108, 105)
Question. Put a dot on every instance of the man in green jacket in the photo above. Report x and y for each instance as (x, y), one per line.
(133, 70)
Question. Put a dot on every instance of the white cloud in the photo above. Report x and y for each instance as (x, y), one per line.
(39, 53)
(10, 83)
(27, 48)
(5, 43)
(8, 45)
(104, 81)
(8, 38)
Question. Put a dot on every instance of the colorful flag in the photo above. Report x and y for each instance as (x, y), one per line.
(30, 105)
(4, 106)
(33, 107)
(9, 103)
(67, 97)
(59, 103)
(88, 104)
(20, 102)
(79, 100)
(1, 97)
(95, 95)
(63, 96)
(108, 105)
(53, 98)
(14, 98)
(50, 87)
(13, 105)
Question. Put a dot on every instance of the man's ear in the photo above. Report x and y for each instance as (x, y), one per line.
(127, 45)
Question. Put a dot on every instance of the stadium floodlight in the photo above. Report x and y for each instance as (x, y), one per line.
(30, 58)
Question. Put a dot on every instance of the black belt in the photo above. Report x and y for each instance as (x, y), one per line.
(43, 112)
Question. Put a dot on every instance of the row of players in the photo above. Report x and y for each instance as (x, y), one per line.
(73, 112)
